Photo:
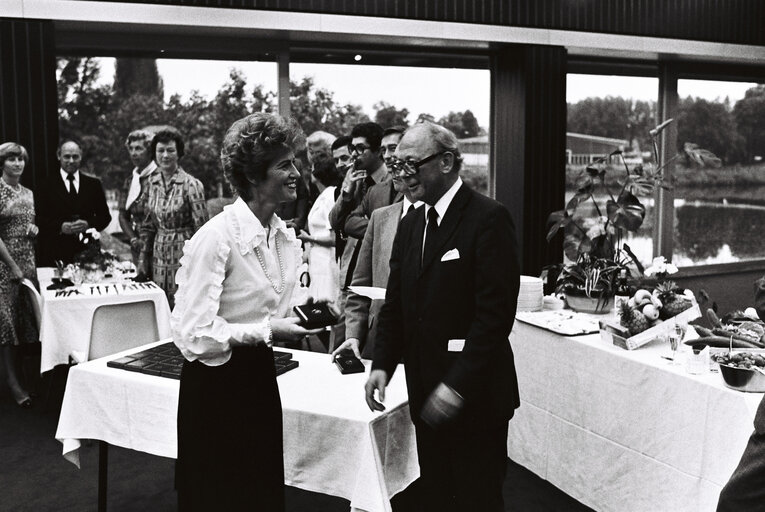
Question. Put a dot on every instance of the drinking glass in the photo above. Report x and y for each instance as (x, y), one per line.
(76, 275)
(674, 336)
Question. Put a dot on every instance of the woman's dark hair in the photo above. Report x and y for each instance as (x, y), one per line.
(166, 136)
(9, 149)
(327, 174)
(251, 145)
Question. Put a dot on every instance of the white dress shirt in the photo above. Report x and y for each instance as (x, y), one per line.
(407, 204)
(76, 181)
(441, 206)
(223, 293)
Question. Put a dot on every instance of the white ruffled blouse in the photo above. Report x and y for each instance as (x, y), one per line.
(223, 293)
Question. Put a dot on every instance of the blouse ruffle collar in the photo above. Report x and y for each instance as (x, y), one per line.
(247, 230)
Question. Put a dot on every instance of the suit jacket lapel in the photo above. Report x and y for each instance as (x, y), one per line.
(388, 226)
(448, 224)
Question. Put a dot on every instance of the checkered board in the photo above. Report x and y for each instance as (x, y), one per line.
(166, 361)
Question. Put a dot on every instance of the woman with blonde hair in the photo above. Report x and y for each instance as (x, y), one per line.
(17, 262)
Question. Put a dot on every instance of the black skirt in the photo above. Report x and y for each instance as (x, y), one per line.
(230, 435)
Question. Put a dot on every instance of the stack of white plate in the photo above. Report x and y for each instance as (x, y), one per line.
(530, 295)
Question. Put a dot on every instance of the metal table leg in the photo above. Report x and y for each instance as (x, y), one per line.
(103, 473)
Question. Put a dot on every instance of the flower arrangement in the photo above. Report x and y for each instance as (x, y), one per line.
(661, 268)
(596, 242)
(93, 257)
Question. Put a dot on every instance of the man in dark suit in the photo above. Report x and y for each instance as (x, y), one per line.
(449, 308)
(67, 204)
(745, 491)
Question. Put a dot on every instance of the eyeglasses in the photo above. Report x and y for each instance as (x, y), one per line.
(409, 167)
(357, 148)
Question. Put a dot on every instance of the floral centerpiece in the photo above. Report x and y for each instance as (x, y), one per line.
(595, 242)
(93, 261)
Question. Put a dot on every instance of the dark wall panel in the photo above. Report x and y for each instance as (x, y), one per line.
(28, 109)
(729, 21)
(528, 144)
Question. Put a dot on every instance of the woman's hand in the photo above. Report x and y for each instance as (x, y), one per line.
(289, 329)
(304, 236)
(32, 230)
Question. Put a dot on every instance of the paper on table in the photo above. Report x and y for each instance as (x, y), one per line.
(372, 292)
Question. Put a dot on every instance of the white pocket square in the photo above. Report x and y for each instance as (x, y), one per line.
(456, 345)
(450, 255)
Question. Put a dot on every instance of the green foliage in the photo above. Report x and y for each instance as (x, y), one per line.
(315, 109)
(710, 125)
(101, 116)
(462, 124)
(137, 77)
(749, 113)
(387, 115)
(615, 117)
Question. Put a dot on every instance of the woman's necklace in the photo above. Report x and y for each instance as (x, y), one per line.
(280, 287)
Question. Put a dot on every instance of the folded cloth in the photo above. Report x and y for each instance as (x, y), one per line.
(60, 283)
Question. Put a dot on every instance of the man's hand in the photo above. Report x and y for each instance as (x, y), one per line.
(349, 344)
(378, 379)
(442, 405)
(352, 178)
(80, 226)
(288, 329)
(66, 228)
(32, 230)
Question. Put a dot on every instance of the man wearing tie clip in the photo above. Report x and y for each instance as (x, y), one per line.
(449, 308)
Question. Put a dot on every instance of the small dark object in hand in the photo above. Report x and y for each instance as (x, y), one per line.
(315, 315)
(347, 363)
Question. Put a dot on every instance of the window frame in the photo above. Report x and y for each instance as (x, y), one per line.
(669, 72)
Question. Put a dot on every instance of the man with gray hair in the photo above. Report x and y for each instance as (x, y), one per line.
(449, 308)
(130, 206)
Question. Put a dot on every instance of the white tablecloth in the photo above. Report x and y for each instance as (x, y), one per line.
(333, 443)
(624, 430)
(66, 321)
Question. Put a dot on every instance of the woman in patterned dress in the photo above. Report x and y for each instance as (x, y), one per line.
(175, 209)
(17, 261)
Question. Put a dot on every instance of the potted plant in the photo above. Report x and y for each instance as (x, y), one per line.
(589, 284)
(594, 241)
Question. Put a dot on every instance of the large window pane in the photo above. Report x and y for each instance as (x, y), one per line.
(720, 212)
(102, 99)
(606, 114)
(334, 97)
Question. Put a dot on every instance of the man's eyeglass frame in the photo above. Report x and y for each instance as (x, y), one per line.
(399, 167)
(355, 148)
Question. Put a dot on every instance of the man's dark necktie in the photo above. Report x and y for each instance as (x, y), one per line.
(430, 235)
(368, 182)
(411, 207)
(72, 190)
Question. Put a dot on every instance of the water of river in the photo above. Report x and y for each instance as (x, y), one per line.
(720, 225)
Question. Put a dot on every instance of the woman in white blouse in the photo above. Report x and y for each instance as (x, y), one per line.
(234, 297)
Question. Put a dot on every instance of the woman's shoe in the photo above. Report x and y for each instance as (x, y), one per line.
(24, 403)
